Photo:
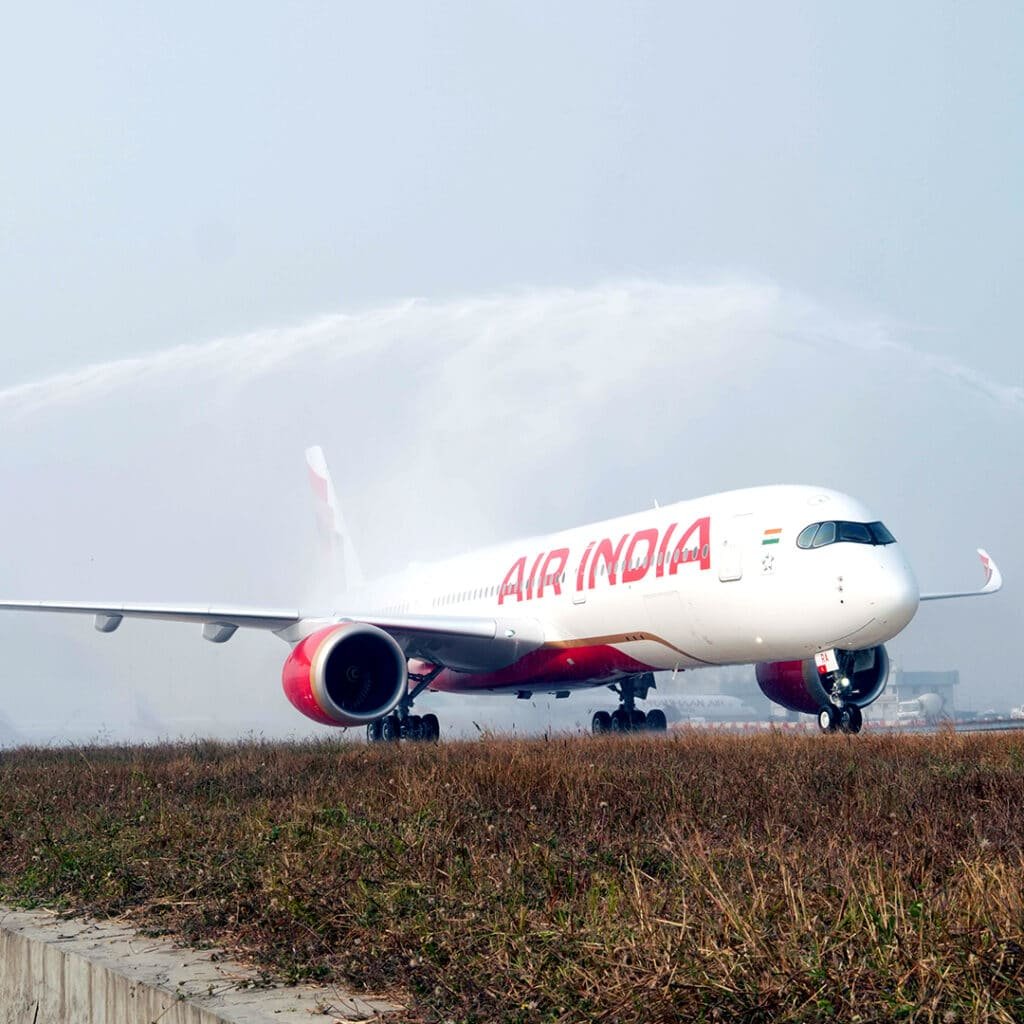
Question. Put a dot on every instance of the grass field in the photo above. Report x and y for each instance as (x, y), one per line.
(700, 877)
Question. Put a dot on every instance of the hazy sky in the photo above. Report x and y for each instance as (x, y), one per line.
(514, 267)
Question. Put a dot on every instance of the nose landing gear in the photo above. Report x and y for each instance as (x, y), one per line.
(840, 714)
(847, 718)
(627, 717)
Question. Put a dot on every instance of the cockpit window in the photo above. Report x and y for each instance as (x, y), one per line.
(826, 535)
(807, 535)
(858, 533)
(819, 535)
(880, 534)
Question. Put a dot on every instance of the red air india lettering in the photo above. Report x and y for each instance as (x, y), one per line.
(641, 554)
(701, 550)
(610, 556)
(554, 566)
(663, 549)
(583, 567)
(512, 584)
(533, 576)
(637, 563)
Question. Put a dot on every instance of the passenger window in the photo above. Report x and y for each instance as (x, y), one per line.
(826, 535)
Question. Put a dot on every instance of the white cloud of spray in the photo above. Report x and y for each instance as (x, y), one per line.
(178, 475)
(506, 336)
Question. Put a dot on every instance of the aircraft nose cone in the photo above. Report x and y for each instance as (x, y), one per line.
(898, 596)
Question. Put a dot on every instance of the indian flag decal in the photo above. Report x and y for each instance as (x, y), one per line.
(772, 536)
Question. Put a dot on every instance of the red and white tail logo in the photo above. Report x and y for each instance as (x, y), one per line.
(339, 550)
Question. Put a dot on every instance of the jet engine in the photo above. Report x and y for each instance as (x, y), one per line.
(796, 685)
(927, 705)
(346, 675)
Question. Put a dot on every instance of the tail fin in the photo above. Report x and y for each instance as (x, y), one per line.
(337, 541)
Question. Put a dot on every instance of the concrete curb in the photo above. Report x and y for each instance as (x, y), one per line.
(56, 971)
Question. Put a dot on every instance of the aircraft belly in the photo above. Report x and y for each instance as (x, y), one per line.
(592, 662)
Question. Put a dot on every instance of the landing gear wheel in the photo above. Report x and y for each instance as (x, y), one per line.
(656, 721)
(373, 731)
(390, 729)
(627, 717)
(827, 719)
(413, 728)
(855, 720)
(430, 729)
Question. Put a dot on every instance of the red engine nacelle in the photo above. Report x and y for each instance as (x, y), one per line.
(349, 674)
(796, 685)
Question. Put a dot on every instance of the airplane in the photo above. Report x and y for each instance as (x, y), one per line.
(802, 582)
(689, 706)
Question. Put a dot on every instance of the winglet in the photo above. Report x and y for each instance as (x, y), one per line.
(337, 541)
(993, 581)
(993, 577)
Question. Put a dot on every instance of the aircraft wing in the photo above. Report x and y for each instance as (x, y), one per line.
(464, 643)
(993, 581)
(109, 616)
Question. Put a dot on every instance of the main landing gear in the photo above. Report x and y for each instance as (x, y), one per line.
(401, 724)
(627, 717)
(393, 727)
(839, 715)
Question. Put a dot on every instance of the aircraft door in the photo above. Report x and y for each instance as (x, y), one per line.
(730, 551)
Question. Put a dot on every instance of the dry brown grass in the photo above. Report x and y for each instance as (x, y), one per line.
(703, 877)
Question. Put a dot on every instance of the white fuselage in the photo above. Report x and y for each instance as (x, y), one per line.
(713, 581)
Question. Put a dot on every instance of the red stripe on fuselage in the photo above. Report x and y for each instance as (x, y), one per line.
(545, 668)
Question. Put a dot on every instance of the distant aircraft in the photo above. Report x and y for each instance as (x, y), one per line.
(688, 706)
(927, 706)
(802, 582)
